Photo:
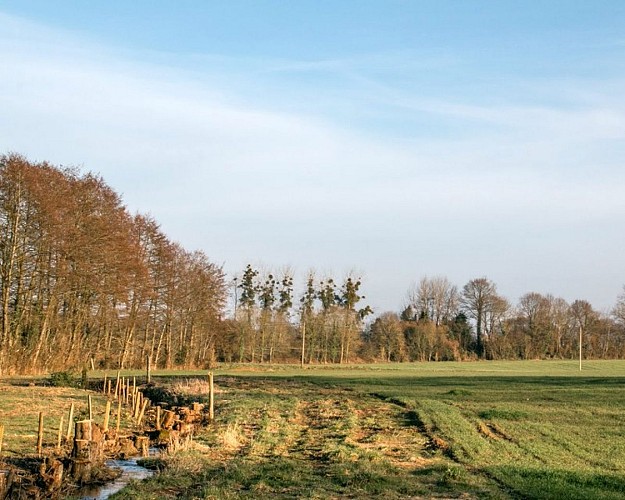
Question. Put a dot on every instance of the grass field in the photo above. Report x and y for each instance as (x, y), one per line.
(451, 430)
(20, 406)
(448, 430)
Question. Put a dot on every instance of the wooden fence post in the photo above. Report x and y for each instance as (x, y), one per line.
(40, 434)
(143, 407)
(1, 436)
(82, 452)
(90, 406)
(137, 407)
(83, 431)
(107, 413)
(60, 434)
(119, 416)
(69, 421)
(148, 369)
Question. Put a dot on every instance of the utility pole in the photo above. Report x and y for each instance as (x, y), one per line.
(580, 348)
(236, 297)
(303, 341)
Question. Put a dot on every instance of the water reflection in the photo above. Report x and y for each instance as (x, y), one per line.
(130, 471)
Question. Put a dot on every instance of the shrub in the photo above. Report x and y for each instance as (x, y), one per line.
(62, 379)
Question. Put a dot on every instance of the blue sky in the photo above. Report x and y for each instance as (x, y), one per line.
(396, 139)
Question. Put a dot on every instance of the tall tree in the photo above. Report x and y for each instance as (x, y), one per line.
(435, 299)
(247, 306)
(328, 321)
(348, 299)
(387, 337)
(307, 310)
(282, 325)
(558, 322)
(477, 300)
(618, 312)
(584, 319)
(266, 297)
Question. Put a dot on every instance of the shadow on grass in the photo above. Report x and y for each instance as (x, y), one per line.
(492, 389)
(453, 381)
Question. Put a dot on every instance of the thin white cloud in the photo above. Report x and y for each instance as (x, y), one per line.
(234, 176)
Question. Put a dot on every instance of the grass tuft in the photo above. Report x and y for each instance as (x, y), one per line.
(232, 438)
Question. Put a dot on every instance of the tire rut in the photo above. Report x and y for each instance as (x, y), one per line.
(437, 443)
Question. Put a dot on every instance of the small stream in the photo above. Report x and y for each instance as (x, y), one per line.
(130, 471)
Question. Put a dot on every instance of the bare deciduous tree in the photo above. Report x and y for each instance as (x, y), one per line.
(477, 300)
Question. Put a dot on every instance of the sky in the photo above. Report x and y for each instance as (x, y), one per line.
(393, 139)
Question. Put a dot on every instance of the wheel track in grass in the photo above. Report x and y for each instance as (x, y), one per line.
(331, 430)
(292, 438)
(435, 442)
(493, 431)
(322, 428)
(356, 426)
(326, 432)
(319, 423)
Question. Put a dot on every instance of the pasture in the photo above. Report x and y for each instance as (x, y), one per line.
(537, 429)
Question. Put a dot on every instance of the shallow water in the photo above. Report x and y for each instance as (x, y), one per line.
(130, 470)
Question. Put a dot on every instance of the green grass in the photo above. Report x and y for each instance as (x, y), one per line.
(483, 430)
(21, 403)
(19, 413)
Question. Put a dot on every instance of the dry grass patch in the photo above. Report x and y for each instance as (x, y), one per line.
(378, 430)
(232, 438)
(193, 387)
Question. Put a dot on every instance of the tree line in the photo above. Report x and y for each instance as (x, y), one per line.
(83, 280)
(439, 323)
(442, 322)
